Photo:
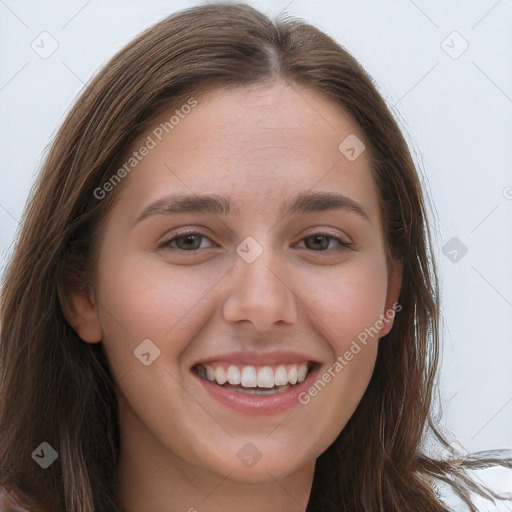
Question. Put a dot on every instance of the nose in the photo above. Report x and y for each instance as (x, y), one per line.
(260, 293)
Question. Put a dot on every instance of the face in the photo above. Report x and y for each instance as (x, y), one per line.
(275, 280)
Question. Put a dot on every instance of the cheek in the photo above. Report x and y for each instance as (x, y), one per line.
(149, 296)
(346, 308)
(140, 299)
(348, 300)
(347, 303)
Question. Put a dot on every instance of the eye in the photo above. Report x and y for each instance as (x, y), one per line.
(190, 241)
(319, 242)
(186, 241)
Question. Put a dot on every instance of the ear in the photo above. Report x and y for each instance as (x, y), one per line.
(394, 287)
(81, 312)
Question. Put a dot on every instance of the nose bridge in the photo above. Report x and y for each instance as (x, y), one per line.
(260, 292)
(262, 274)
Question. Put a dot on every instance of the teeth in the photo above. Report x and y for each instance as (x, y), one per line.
(266, 377)
(257, 391)
(281, 376)
(302, 372)
(220, 375)
(250, 377)
(234, 375)
(292, 375)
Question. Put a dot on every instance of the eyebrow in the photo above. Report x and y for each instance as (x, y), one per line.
(305, 202)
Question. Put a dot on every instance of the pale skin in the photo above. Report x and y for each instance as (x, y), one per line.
(258, 146)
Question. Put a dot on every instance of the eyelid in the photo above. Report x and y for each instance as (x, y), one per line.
(342, 241)
(165, 242)
(167, 239)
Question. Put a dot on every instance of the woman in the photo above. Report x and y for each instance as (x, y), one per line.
(265, 370)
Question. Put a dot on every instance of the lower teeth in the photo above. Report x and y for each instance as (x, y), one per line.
(254, 391)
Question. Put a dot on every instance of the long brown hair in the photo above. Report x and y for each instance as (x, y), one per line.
(56, 389)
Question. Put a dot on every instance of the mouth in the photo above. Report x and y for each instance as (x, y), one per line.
(255, 379)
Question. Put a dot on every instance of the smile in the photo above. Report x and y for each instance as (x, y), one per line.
(256, 380)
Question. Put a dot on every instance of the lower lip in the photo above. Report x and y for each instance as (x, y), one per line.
(259, 404)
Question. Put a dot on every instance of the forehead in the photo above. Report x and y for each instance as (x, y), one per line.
(262, 119)
(257, 144)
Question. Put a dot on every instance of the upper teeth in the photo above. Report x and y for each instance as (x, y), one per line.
(251, 377)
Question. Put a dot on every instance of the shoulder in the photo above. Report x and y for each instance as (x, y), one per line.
(497, 479)
(8, 504)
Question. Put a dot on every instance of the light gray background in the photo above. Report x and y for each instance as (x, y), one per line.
(456, 114)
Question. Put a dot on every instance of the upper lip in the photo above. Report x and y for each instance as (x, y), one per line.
(246, 358)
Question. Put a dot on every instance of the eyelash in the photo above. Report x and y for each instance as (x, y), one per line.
(165, 244)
